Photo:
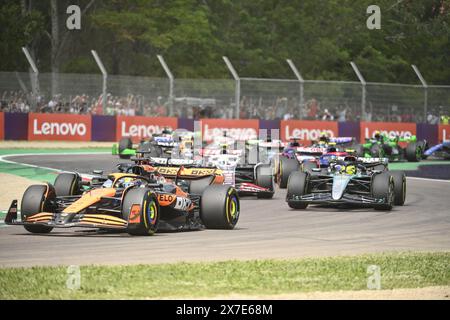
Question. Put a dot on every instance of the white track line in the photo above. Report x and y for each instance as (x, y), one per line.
(428, 179)
(2, 158)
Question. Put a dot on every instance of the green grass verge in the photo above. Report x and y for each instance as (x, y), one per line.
(415, 165)
(257, 277)
(33, 173)
(39, 174)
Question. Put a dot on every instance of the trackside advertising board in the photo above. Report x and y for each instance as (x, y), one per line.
(138, 127)
(2, 126)
(444, 132)
(392, 129)
(63, 127)
(240, 130)
(307, 131)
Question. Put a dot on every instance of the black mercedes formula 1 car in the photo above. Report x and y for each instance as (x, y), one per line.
(348, 180)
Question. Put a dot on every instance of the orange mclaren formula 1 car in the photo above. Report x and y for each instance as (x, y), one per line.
(139, 204)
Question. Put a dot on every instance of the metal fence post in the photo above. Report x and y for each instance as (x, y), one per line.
(171, 82)
(237, 109)
(35, 77)
(105, 78)
(302, 82)
(363, 88)
(425, 91)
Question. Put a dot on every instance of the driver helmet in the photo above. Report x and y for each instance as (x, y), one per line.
(224, 148)
(128, 182)
(350, 169)
(107, 184)
(167, 130)
(377, 135)
(324, 137)
(294, 143)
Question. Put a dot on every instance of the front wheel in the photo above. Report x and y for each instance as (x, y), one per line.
(383, 188)
(67, 184)
(297, 186)
(413, 152)
(219, 207)
(140, 208)
(399, 187)
(287, 166)
(37, 199)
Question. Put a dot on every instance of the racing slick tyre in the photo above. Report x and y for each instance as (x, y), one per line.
(298, 186)
(413, 152)
(198, 186)
(152, 148)
(307, 166)
(140, 208)
(399, 187)
(383, 187)
(376, 151)
(219, 207)
(287, 166)
(124, 143)
(264, 178)
(36, 199)
(67, 184)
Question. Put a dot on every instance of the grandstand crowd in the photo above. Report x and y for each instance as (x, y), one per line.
(281, 109)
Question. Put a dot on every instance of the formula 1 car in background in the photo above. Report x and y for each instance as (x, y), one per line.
(439, 151)
(247, 179)
(294, 157)
(382, 146)
(159, 145)
(348, 180)
(137, 204)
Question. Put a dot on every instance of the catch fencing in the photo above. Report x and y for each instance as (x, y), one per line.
(244, 98)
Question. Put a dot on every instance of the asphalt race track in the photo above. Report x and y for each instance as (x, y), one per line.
(266, 229)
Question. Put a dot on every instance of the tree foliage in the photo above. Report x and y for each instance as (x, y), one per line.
(321, 37)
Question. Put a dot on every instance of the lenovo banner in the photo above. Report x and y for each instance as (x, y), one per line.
(307, 131)
(237, 129)
(391, 129)
(142, 127)
(53, 126)
(444, 132)
(2, 126)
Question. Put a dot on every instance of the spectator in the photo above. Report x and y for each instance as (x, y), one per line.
(327, 116)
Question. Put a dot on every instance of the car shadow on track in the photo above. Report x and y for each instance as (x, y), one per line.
(117, 234)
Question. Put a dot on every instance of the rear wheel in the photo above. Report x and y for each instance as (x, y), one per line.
(399, 187)
(287, 166)
(67, 184)
(125, 143)
(297, 186)
(413, 152)
(264, 179)
(383, 187)
(37, 199)
(140, 208)
(219, 207)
